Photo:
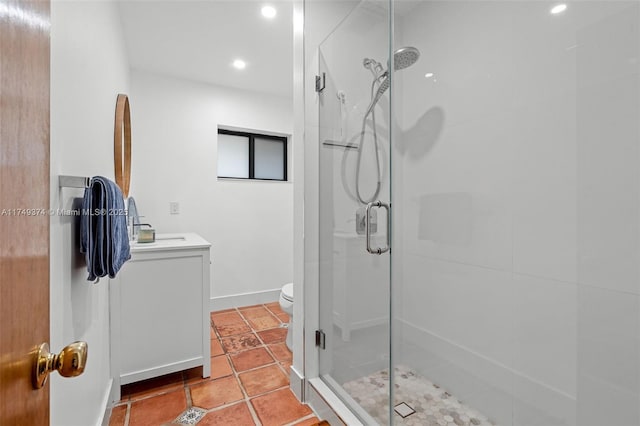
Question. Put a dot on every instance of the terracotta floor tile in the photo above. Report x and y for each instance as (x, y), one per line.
(157, 385)
(193, 375)
(275, 308)
(235, 415)
(275, 335)
(212, 333)
(279, 408)
(232, 329)
(283, 317)
(158, 409)
(309, 422)
(216, 347)
(251, 359)
(264, 323)
(118, 415)
(215, 393)
(226, 318)
(241, 342)
(244, 308)
(222, 311)
(287, 367)
(278, 311)
(258, 312)
(263, 380)
(281, 352)
(220, 367)
(161, 400)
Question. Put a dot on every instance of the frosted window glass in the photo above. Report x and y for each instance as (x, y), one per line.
(269, 159)
(233, 156)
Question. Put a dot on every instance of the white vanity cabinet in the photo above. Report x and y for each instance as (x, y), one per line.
(160, 309)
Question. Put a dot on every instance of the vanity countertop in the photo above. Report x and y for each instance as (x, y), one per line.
(178, 241)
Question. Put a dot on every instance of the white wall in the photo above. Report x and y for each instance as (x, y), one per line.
(520, 159)
(174, 158)
(88, 69)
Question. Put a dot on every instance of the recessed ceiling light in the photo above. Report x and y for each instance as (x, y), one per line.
(239, 64)
(428, 75)
(269, 12)
(559, 8)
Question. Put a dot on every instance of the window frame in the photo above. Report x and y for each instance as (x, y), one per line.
(252, 136)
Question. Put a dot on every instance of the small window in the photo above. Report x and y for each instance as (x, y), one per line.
(244, 155)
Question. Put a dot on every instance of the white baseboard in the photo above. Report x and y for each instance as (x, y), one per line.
(296, 383)
(244, 299)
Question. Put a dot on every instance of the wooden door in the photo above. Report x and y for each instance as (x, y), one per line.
(24, 205)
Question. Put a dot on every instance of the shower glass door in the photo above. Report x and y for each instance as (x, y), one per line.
(354, 172)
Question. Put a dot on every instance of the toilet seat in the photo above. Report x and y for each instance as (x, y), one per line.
(287, 292)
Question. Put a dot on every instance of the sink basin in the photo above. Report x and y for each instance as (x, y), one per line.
(161, 241)
(163, 238)
(169, 242)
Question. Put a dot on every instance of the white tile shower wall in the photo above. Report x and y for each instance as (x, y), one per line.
(608, 354)
(249, 223)
(89, 68)
(521, 211)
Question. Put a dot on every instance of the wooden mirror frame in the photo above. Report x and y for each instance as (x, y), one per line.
(122, 138)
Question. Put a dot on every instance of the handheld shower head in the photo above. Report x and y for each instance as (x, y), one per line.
(402, 58)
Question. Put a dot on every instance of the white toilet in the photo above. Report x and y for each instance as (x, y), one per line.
(286, 303)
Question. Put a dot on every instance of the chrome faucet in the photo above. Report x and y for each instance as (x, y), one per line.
(133, 219)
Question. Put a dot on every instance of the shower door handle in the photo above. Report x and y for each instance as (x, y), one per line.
(367, 223)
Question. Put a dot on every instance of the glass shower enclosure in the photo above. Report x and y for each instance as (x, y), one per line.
(355, 264)
(501, 165)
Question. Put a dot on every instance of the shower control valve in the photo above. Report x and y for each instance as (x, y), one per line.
(361, 221)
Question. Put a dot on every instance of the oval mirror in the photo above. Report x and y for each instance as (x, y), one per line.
(122, 144)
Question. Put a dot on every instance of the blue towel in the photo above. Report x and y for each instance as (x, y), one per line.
(103, 229)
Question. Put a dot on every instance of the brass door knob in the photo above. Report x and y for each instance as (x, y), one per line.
(70, 362)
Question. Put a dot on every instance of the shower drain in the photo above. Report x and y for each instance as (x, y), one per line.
(404, 410)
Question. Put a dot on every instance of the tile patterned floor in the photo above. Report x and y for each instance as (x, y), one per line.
(433, 405)
(249, 383)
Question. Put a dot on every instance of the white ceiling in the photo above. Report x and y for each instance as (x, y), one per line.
(198, 40)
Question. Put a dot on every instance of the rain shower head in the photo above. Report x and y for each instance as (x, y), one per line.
(405, 57)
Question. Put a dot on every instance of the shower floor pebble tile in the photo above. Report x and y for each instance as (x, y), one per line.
(249, 383)
(434, 406)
